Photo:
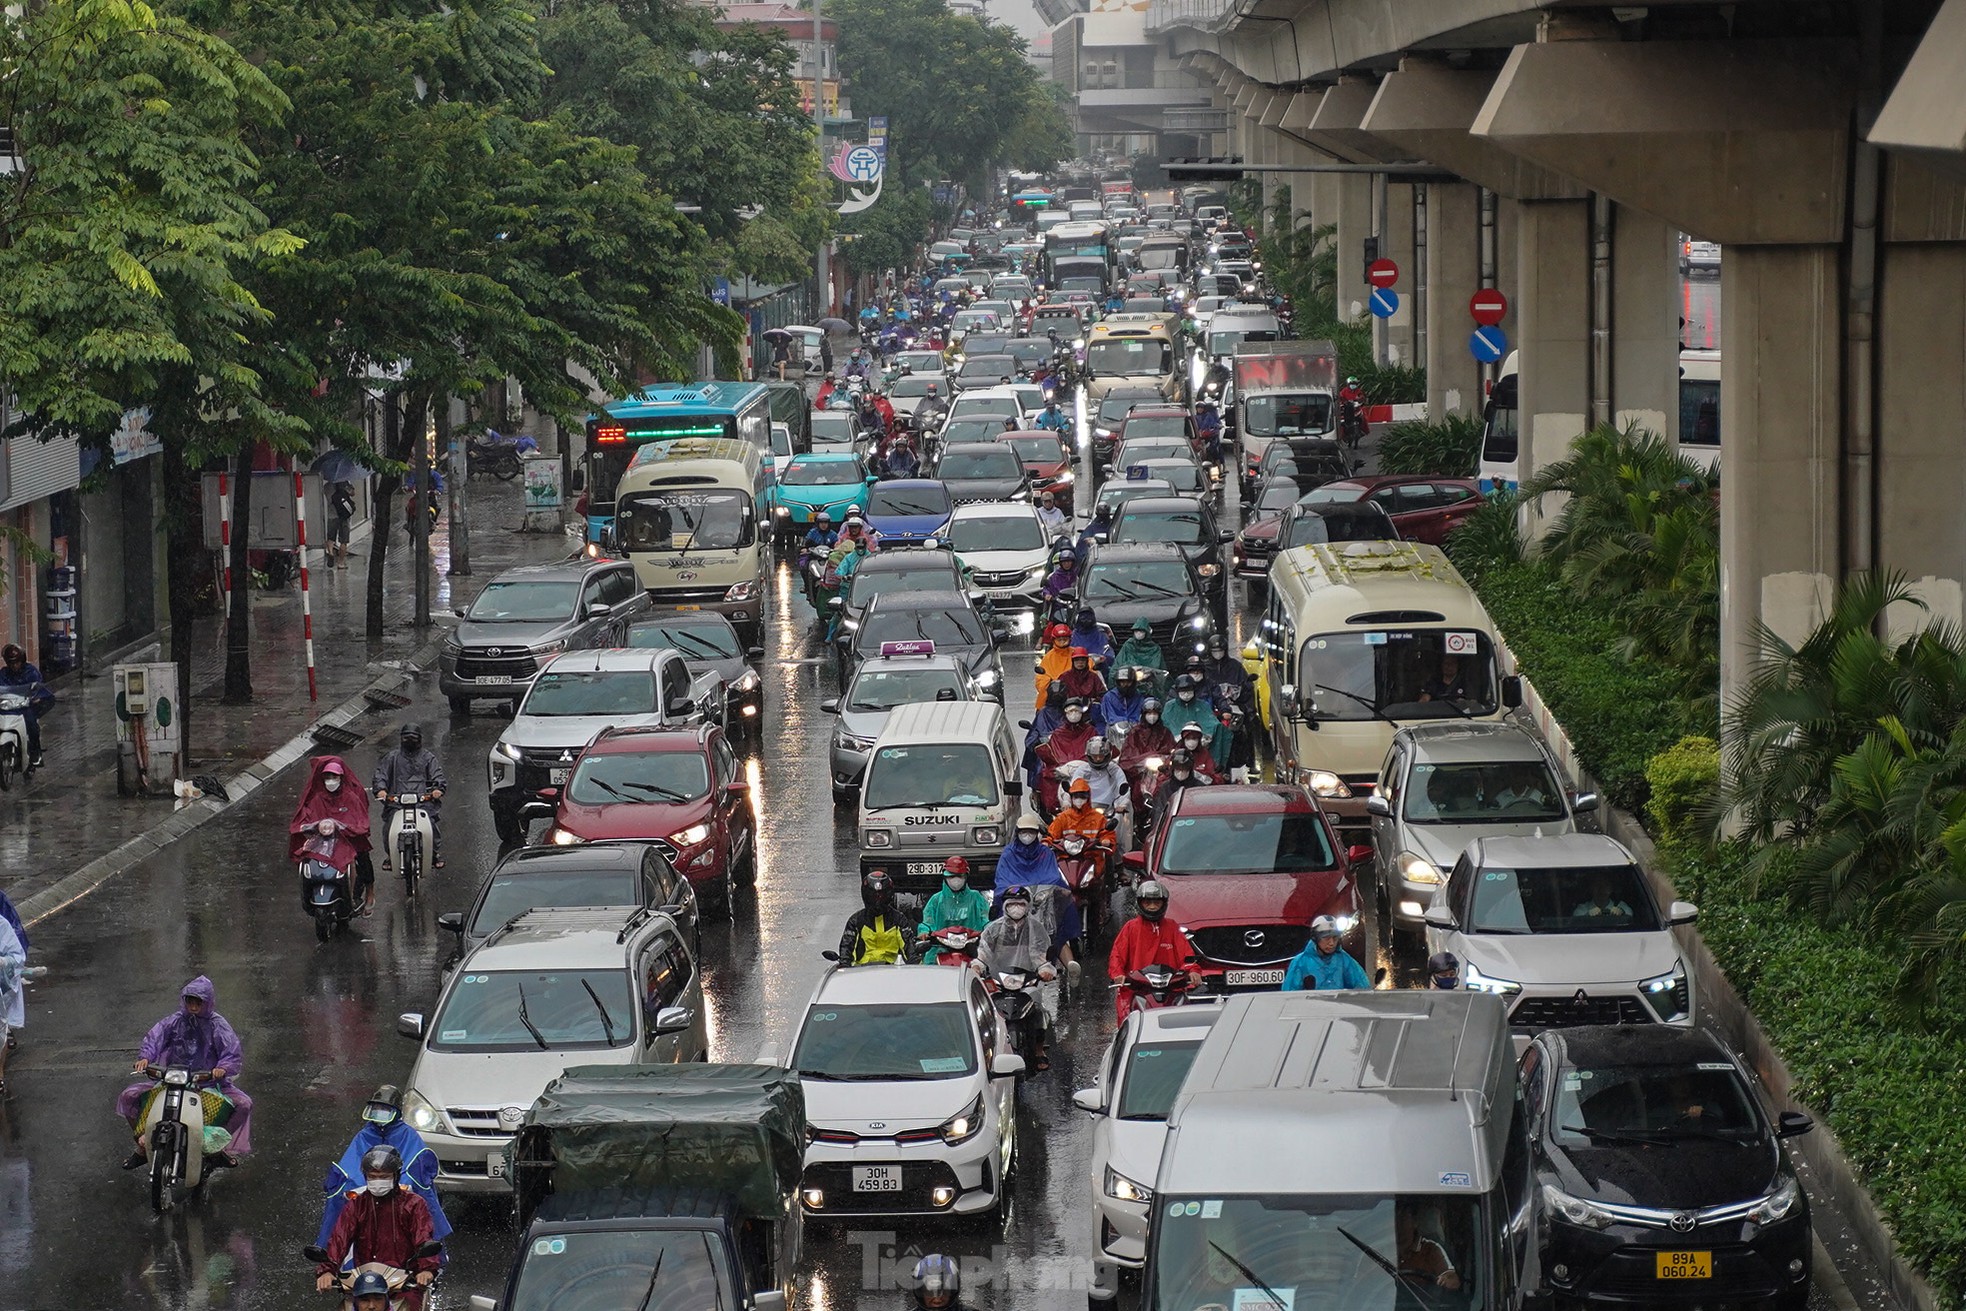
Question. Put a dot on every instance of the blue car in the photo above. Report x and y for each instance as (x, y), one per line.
(833, 481)
(909, 511)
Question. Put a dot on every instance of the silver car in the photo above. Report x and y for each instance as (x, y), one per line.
(1442, 786)
(552, 989)
(528, 615)
(877, 687)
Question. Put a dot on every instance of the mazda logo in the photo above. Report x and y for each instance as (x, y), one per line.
(1252, 937)
(1682, 1222)
(510, 1117)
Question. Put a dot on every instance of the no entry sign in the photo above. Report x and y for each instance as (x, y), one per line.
(1488, 306)
(1382, 273)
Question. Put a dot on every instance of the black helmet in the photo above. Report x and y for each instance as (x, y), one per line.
(382, 1160)
(1190, 682)
(1151, 706)
(1154, 891)
(1180, 758)
(369, 1284)
(412, 732)
(877, 890)
(385, 1107)
(1445, 968)
(938, 1282)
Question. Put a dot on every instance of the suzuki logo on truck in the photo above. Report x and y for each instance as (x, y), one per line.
(932, 819)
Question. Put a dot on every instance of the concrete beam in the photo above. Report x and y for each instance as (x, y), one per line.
(1553, 314)
(1741, 142)
(1453, 274)
(1335, 130)
(1645, 302)
(1426, 109)
(1925, 116)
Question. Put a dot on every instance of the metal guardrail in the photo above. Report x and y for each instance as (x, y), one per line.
(1165, 14)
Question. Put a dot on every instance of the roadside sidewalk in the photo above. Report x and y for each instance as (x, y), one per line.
(66, 831)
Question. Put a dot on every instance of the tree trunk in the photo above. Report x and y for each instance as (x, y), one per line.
(238, 633)
(416, 423)
(187, 572)
(382, 511)
(457, 467)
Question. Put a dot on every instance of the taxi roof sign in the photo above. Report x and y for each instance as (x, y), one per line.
(908, 648)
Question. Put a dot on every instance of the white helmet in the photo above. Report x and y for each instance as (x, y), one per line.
(1324, 926)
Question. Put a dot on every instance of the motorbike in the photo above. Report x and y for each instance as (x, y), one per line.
(173, 1132)
(1084, 865)
(1157, 986)
(15, 706)
(496, 455)
(1351, 423)
(1015, 995)
(398, 1279)
(328, 895)
(412, 838)
(958, 944)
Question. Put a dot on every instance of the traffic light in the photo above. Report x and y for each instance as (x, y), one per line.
(1371, 251)
(1214, 168)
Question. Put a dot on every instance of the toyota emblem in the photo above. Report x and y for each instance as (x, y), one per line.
(1682, 1222)
(510, 1117)
(494, 650)
(1252, 937)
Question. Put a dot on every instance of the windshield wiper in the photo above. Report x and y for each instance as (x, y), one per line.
(663, 793)
(526, 1020)
(919, 805)
(607, 1021)
(1379, 1260)
(1617, 1135)
(1276, 1299)
(650, 1295)
(698, 644)
(1157, 588)
(610, 789)
(1125, 593)
(1377, 713)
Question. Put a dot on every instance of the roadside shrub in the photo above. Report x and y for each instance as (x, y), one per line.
(1451, 447)
(1391, 384)
(1680, 781)
(1489, 538)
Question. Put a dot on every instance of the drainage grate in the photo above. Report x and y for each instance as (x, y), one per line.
(338, 737)
(381, 698)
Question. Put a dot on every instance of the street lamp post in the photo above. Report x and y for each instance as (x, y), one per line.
(819, 140)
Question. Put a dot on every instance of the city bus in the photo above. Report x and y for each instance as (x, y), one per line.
(1075, 241)
(665, 413)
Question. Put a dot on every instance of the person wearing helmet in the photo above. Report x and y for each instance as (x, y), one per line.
(331, 824)
(901, 460)
(369, 1292)
(1124, 700)
(956, 903)
(1054, 419)
(1087, 632)
(1190, 706)
(1098, 529)
(411, 768)
(1190, 739)
(1050, 517)
(1208, 429)
(1351, 412)
(1149, 938)
(1181, 775)
(1324, 963)
(383, 1126)
(1444, 970)
(1057, 657)
(1081, 681)
(1028, 863)
(1020, 939)
(938, 1284)
(1151, 739)
(1078, 814)
(827, 390)
(1063, 581)
(383, 1222)
(1067, 741)
(878, 933)
(821, 537)
(1049, 719)
(19, 674)
(1140, 651)
(1104, 776)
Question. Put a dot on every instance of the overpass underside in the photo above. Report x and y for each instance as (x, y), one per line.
(1824, 146)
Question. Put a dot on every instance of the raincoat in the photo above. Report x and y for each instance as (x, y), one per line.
(12, 916)
(348, 809)
(1086, 684)
(204, 1042)
(1142, 653)
(1312, 971)
(1118, 707)
(1034, 867)
(1178, 714)
(1055, 661)
(1097, 645)
(13, 958)
(969, 908)
(419, 1172)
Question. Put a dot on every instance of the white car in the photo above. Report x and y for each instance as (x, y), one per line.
(989, 403)
(910, 1091)
(1004, 547)
(908, 391)
(1138, 1081)
(1565, 930)
(902, 363)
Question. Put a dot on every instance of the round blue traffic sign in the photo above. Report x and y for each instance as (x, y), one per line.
(1488, 344)
(1383, 302)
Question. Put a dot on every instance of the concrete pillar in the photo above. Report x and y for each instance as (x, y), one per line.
(1453, 275)
(1393, 339)
(1553, 314)
(1645, 303)
(1353, 214)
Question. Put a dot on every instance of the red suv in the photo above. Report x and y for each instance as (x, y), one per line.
(1247, 868)
(679, 787)
(1047, 460)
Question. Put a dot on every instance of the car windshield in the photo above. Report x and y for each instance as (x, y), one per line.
(1137, 580)
(1612, 1102)
(993, 461)
(822, 473)
(1157, 425)
(1117, 494)
(1589, 899)
(483, 1011)
(591, 692)
(716, 520)
(1154, 1071)
(942, 627)
(884, 689)
(1342, 523)
(1338, 493)
(697, 641)
(1358, 1251)
(1128, 357)
(1512, 792)
(1182, 527)
(1006, 532)
(1287, 415)
(1275, 499)
(524, 602)
(899, 1041)
(513, 894)
(611, 1269)
(639, 778)
(1184, 476)
(1400, 673)
(978, 407)
(1039, 450)
(832, 428)
(922, 498)
(1029, 350)
(916, 775)
(1114, 409)
(1136, 450)
(936, 572)
(973, 430)
(1224, 343)
(988, 366)
(911, 386)
(1247, 844)
(781, 439)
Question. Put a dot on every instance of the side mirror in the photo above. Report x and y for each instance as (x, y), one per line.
(410, 1025)
(1001, 633)
(1378, 805)
(1225, 538)
(1006, 1066)
(534, 810)
(1287, 701)
(1358, 855)
(1791, 1124)
(1682, 912)
(1440, 917)
(1023, 723)
(831, 955)
(1013, 789)
(458, 610)
(1584, 801)
(1512, 693)
(672, 1019)
(1088, 1099)
(315, 1254)
(772, 1299)
(836, 602)
(479, 1302)
(754, 654)
(1134, 860)
(599, 609)
(429, 1247)
(452, 920)
(737, 787)
(830, 706)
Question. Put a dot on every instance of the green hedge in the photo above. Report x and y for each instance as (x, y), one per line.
(1680, 780)
(1618, 714)
(1451, 447)
(1887, 1087)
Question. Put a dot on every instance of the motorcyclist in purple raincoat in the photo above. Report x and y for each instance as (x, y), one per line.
(195, 1037)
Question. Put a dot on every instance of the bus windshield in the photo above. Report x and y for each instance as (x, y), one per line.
(1304, 414)
(718, 519)
(1128, 357)
(1416, 673)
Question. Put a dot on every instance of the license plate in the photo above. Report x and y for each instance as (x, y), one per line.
(1252, 978)
(877, 1178)
(689, 607)
(499, 679)
(559, 776)
(932, 868)
(495, 1167)
(1685, 1265)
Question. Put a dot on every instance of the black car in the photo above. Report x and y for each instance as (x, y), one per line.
(979, 370)
(1151, 581)
(1188, 524)
(946, 618)
(1656, 1175)
(981, 471)
(592, 874)
(709, 644)
(1319, 460)
(1358, 521)
(1105, 421)
(892, 571)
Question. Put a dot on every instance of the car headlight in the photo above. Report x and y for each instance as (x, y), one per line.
(1199, 621)
(1064, 477)
(423, 1117)
(1667, 993)
(691, 836)
(452, 647)
(1489, 983)
(988, 678)
(744, 591)
(782, 511)
(1209, 570)
(964, 1125)
(747, 683)
(507, 750)
(1120, 1187)
(1417, 869)
(987, 835)
(1779, 1204)
(848, 742)
(1574, 1210)
(562, 838)
(878, 837)
(550, 648)
(1327, 784)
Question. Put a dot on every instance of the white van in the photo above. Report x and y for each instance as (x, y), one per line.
(941, 781)
(689, 515)
(1699, 407)
(1501, 434)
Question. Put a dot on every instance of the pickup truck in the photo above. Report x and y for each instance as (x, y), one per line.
(669, 1188)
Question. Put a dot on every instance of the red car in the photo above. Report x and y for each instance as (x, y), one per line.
(1047, 460)
(1424, 508)
(1247, 868)
(680, 787)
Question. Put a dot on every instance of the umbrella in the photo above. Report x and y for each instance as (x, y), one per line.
(338, 466)
(836, 325)
(776, 334)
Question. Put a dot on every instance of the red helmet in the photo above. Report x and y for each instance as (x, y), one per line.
(956, 865)
(1078, 652)
(1056, 631)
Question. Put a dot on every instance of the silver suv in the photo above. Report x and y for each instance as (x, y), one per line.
(552, 989)
(1442, 786)
(527, 615)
